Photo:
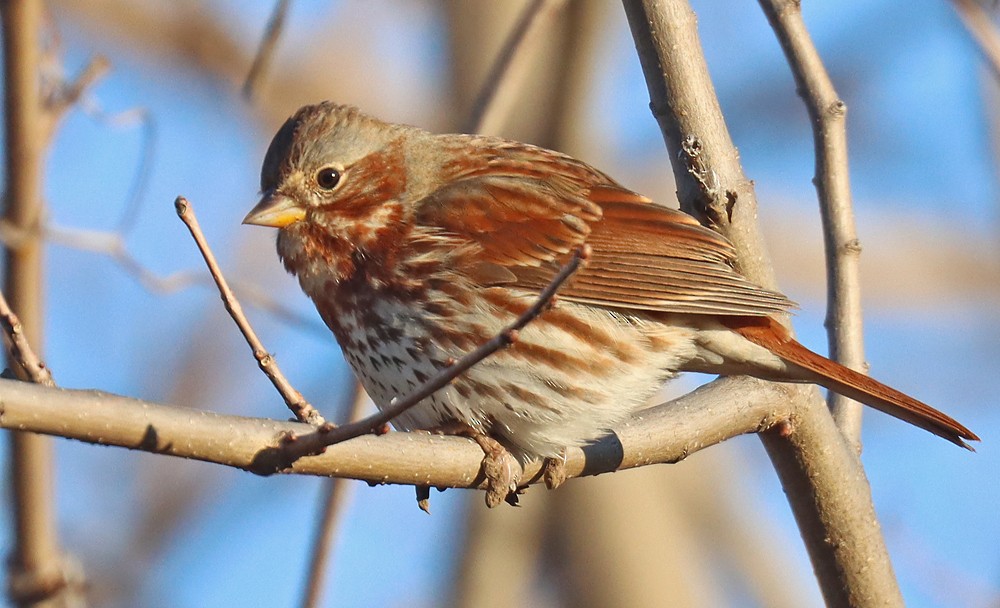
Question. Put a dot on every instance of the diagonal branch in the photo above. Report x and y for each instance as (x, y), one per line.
(302, 409)
(500, 90)
(820, 474)
(982, 29)
(297, 446)
(265, 52)
(313, 443)
(22, 355)
(833, 185)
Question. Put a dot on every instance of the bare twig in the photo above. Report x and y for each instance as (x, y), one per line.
(265, 52)
(21, 354)
(147, 125)
(821, 476)
(332, 507)
(313, 443)
(302, 409)
(497, 95)
(827, 112)
(60, 99)
(982, 29)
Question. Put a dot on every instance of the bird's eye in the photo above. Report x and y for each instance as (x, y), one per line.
(327, 178)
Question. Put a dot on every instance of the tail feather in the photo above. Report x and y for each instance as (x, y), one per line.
(854, 385)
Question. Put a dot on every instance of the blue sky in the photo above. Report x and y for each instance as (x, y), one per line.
(919, 128)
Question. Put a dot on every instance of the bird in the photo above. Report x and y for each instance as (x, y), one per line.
(416, 247)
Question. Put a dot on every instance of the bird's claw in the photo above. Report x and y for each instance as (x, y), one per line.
(554, 471)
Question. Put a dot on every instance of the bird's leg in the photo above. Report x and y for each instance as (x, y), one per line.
(501, 469)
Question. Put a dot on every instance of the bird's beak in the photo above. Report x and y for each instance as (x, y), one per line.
(275, 210)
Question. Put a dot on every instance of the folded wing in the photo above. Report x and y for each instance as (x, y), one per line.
(520, 228)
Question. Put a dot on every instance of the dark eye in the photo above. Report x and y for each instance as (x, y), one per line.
(327, 178)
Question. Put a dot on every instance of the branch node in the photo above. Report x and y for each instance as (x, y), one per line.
(851, 247)
(837, 109)
(181, 206)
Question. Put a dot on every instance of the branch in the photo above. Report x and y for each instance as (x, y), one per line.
(313, 443)
(667, 433)
(500, 90)
(331, 507)
(22, 356)
(297, 446)
(302, 409)
(113, 246)
(833, 185)
(979, 25)
(265, 52)
(822, 477)
(66, 95)
(38, 573)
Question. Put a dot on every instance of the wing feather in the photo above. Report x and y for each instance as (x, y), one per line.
(514, 217)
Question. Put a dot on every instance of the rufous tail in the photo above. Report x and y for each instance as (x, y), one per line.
(773, 336)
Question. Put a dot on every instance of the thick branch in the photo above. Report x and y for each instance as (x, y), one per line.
(824, 481)
(663, 434)
(710, 180)
(37, 573)
(833, 185)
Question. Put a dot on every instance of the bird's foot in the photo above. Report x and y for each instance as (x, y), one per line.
(554, 470)
(501, 469)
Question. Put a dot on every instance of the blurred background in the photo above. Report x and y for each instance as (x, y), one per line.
(714, 530)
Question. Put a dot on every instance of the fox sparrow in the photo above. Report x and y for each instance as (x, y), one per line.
(416, 247)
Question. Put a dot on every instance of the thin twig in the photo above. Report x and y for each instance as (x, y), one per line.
(265, 52)
(148, 133)
(332, 507)
(844, 325)
(297, 446)
(982, 29)
(21, 354)
(496, 96)
(63, 97)
(302, 409)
